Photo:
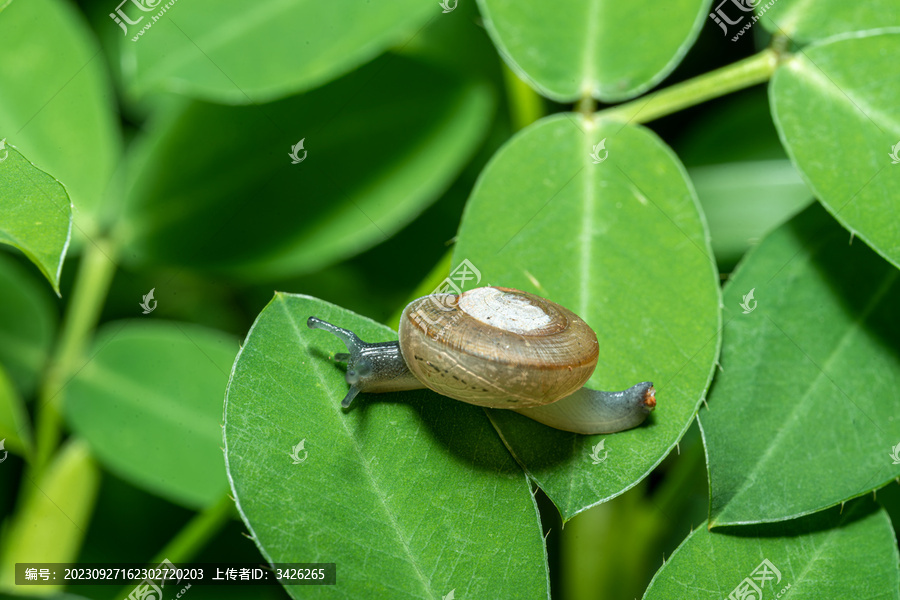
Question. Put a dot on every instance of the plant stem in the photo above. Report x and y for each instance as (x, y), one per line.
(192, 537)
(737, 76)
(91, 286)
(197, 532)
(525, 105)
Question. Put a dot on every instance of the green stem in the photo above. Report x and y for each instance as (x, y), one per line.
(525, 105)
(197, 532)
(737, 76)
(193, 536)
(91, 286)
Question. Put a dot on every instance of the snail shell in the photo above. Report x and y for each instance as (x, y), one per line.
(497, 347)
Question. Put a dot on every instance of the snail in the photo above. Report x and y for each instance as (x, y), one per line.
(500, 348)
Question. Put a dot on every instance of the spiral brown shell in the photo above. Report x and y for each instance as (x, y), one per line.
(497, 347)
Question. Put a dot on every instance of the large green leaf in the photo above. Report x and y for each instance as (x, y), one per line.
(835, 108)
(238, 52)
(801, 418)
(830, 555)
(412, 486)
(806, 20)
(368, 171)
(149, 401)
(622, 244)
(35, 213)
(57, 106)
(27, 322)
(602, 48)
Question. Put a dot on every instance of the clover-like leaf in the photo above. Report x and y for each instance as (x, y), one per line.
(56, 107)
(835, 554)
(802, 416)
(602, 48)
(411, 485)
(365, 173)
(805, 20)
(35, 213)
(236, 52)
(622, 244)
(838, 121)
(148, 400)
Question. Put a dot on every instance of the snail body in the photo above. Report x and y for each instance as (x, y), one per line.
(499, 348)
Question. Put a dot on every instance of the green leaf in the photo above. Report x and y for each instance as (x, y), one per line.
(412, 486)
(807, 377)
(54, 516)
(15, 427)
(27, 322)
(808, 20)
(35, 213)
(57, 108)
(743, 201)
(602, 48)
(149, 401)
(623, 245)
(837, 119)
(828, 555)
(367, 171)
(236, 52)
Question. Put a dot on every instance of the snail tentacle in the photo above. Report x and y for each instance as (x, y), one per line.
(371, 367)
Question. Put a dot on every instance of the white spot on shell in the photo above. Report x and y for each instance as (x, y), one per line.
(510, 312)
